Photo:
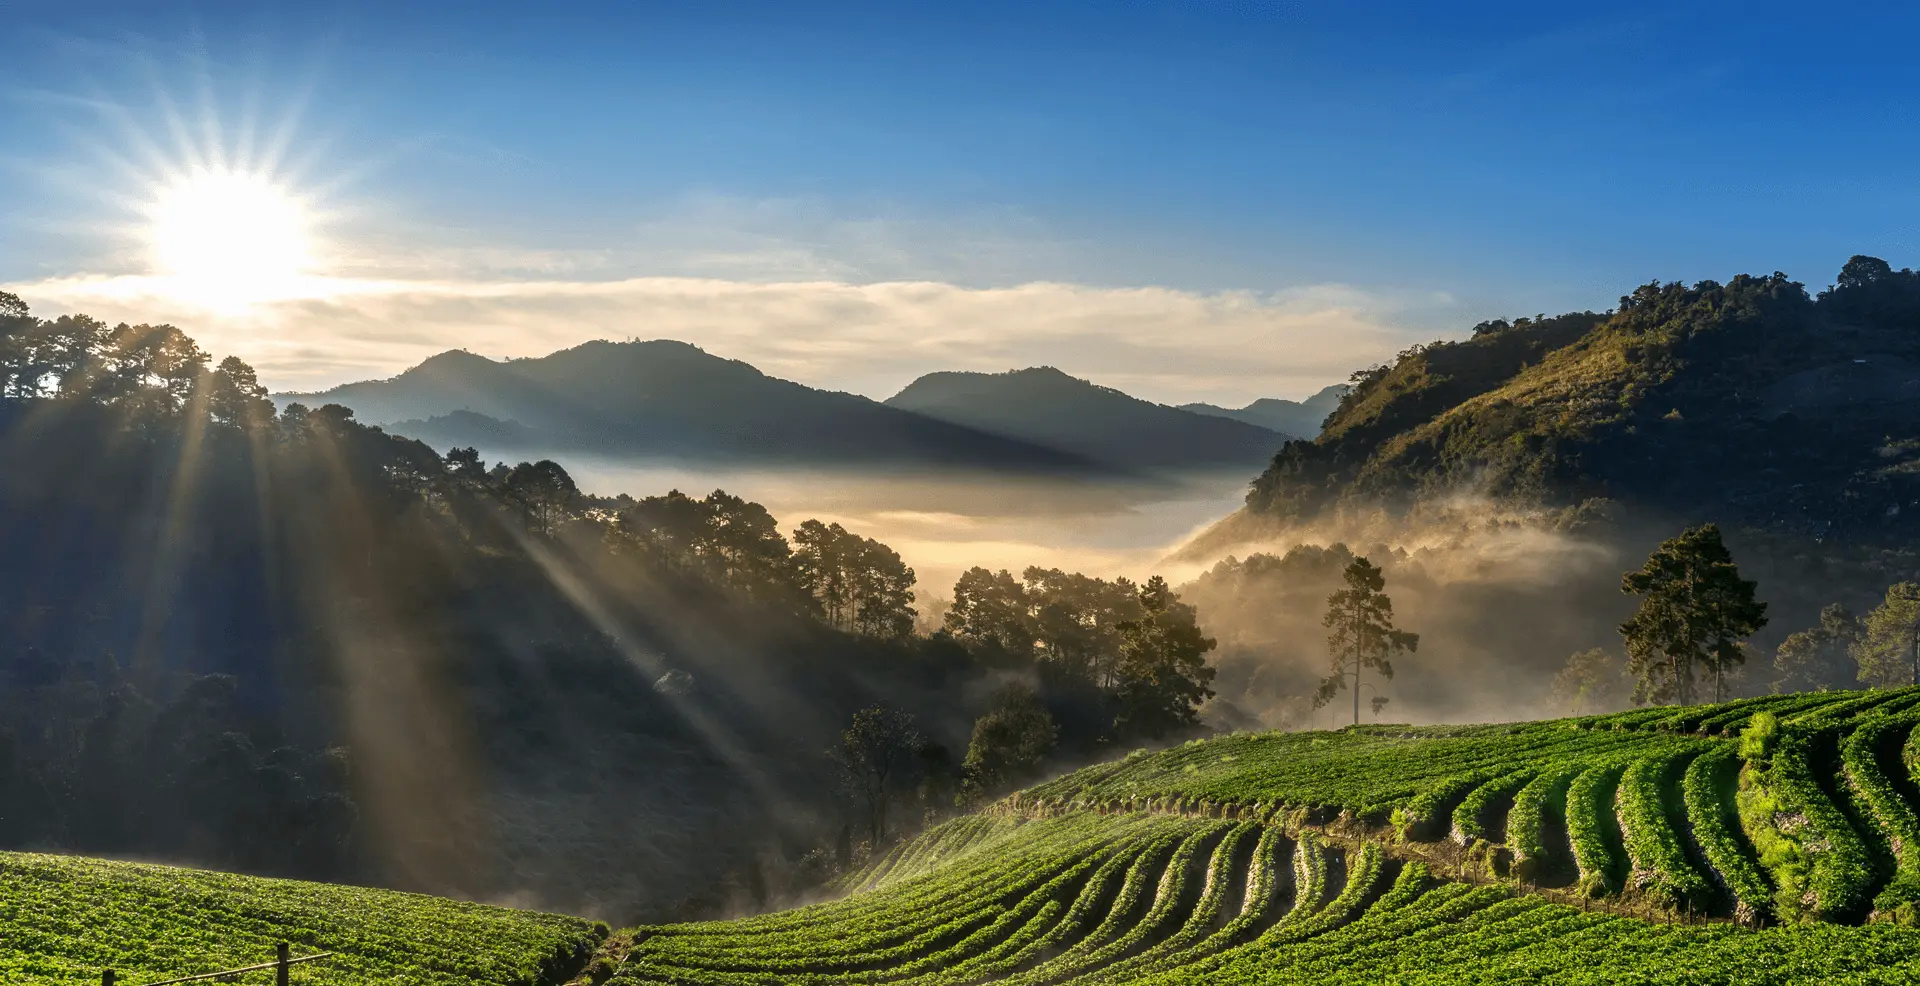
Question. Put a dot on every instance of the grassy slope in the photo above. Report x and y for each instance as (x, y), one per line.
(1139, 870)
(63, 919)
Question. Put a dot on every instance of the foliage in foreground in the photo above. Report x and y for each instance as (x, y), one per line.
(67, 918)
(1762, 841)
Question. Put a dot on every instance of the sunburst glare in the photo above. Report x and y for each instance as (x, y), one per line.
(226, 238)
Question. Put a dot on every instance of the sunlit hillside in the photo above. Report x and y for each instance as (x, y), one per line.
(1769, 840)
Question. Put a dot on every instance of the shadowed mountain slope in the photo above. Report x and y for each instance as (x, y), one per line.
(1300, 419)
(670, 400)
(1044, 406)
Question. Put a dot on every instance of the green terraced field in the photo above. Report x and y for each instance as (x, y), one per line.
(64, 919)
(1773, 840)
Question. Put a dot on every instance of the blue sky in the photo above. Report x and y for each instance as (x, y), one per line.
(1361, 176)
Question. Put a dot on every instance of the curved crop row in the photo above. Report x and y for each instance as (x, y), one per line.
(899, 896)
(1890, 810)
(1365, 869)
(1127, 905)
(1005, 932)
(1164, 907)
(1708, 789)
(1661, 871)
(1200, 919)
(1539, 813)
(1592, 829)
(1264, 878)
(1309, 877)
(1472, 818)
(1419, 819)
(931, 848)
(921, 919)
(1034, 941)
(1736, 717)
(1852, 707)
(1820, 868)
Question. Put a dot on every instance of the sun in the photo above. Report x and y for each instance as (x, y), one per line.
(227, 238)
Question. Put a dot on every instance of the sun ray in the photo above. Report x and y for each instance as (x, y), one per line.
(168, 560)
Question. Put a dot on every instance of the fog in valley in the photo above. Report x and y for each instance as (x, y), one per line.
(943, 523)
(1501, 597)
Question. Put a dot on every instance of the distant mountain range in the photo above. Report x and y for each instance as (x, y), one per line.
(1299, 418)
(671, 400)
(1046, 407)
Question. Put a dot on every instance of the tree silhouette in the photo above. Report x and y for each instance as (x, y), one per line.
(1695, 610)
(859, 584)
(876, 755)
(1889, 652)
(1008, 742)
(991, 608)
(1819, 657)
(1586, 680)
(1360, 618)
(543, 491)
(1162, 674)
(235, 396)
(1078, 621)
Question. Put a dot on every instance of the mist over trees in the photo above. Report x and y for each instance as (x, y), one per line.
(1361, 635)
(1008, 745)
(293, 643)
(1819, 658)
(1888, 647)
(876, 758)
(1589, 682)
(856, 584)
(1522, 467)
(1120, 661)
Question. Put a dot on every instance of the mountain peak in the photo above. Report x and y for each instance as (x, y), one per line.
(663, 398)
(453, 362)
(1300, 419)
(1047, 406)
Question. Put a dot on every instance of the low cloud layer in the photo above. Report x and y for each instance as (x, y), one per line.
(869, 338)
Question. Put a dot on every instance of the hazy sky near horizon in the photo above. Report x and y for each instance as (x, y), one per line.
(1191, 201)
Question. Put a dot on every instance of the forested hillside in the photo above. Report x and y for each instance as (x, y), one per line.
(285, 642)
(1748, 402)
(1506, 479)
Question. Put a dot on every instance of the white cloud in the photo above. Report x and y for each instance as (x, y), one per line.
(1165, 344)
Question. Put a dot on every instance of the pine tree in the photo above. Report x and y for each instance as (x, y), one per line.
(1363, 635)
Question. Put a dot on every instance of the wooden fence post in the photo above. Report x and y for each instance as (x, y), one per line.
(280, 972)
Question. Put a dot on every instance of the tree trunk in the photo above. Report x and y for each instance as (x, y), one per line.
(1356, 692)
